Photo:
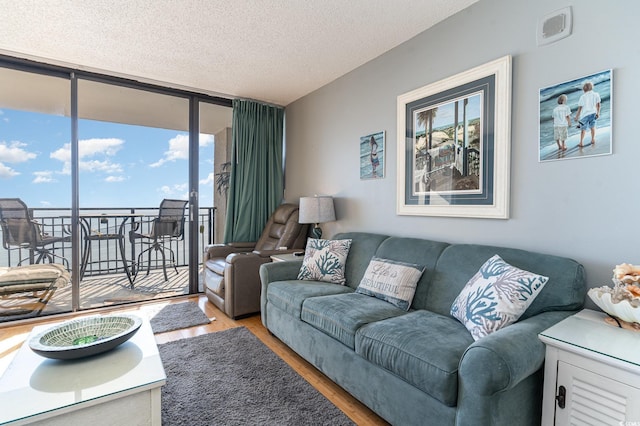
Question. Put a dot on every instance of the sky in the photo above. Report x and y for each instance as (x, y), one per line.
(120, 165)
(445, 115)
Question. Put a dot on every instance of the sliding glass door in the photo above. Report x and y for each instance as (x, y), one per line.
(133, 153)
(120, 172)
(34, 185)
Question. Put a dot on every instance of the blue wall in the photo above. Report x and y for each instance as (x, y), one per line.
(586, 209)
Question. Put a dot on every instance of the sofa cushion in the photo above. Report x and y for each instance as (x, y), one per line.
(324, 260)
(391, 281)
(421, 347)
(341, 315)
(495, 297)
(289, 295)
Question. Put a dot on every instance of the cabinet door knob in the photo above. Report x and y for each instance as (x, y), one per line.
(561, 397)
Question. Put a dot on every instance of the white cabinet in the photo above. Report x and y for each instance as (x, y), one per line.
(592, 373)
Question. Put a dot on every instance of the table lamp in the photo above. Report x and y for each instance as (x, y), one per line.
(316, 210)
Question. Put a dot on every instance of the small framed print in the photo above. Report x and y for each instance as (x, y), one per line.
(372, 149)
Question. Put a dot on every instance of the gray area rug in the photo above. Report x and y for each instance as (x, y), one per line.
(176, 316)
(232, 378)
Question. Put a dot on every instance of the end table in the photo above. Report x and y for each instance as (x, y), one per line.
(592, 372)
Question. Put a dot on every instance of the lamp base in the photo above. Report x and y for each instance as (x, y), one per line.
(316, 232)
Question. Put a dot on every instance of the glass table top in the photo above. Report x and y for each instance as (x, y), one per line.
(588, 330)
(33, 385)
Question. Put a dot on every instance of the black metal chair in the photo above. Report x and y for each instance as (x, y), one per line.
(164, 229)
(21, 232)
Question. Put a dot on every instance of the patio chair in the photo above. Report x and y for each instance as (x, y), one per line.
(21, 232)
(34, 284)
(168, 227)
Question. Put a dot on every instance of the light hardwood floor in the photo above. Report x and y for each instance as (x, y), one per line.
(12, 338)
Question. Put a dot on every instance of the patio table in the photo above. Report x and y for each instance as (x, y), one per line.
(121, 220)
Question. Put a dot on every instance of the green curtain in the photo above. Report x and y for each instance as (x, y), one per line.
(256, 186)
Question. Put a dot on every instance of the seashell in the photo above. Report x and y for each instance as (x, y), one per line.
(623, 309)
(627, 273)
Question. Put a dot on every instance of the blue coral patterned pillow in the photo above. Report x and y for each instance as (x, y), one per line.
(495, 297)
(324, 260)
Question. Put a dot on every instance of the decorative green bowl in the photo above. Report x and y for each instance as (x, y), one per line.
(83, 337)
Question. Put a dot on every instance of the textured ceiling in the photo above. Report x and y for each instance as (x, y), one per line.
(271, 50)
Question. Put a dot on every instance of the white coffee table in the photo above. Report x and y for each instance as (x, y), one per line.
(118, 387)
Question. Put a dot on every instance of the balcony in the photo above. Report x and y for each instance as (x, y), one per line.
(106, 254)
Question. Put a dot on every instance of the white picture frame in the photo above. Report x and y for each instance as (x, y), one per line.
(465, 170)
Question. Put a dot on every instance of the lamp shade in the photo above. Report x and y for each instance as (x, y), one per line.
(318, 209)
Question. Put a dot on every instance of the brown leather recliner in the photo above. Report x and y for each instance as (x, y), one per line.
(231, 271)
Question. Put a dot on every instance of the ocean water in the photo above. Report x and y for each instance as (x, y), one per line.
(56, 222)
(573, 90)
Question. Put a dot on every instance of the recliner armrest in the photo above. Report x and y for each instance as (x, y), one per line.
(269, 253)
(243, 244)
(224, 250)
(245, 259)
(242, 283)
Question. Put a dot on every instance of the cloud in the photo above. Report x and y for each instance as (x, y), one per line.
(206, 140)
(93, 155)
(208, 180)
(105, 166)
(179, 190)
(114, 179)
(7, 172)
(43, 177)
(14, 152)
(179, 148)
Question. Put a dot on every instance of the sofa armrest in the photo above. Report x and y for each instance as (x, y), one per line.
(499, 362)
(514, 353)
(279, 271)
(272, 272)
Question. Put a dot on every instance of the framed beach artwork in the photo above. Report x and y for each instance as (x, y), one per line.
(575, 118)
(372, 149)
(454, 145)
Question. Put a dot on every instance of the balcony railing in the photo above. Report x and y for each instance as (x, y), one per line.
(103, 226)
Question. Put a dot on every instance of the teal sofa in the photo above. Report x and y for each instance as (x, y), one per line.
(422, 367)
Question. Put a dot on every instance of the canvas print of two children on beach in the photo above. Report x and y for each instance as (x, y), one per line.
(575, 118)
